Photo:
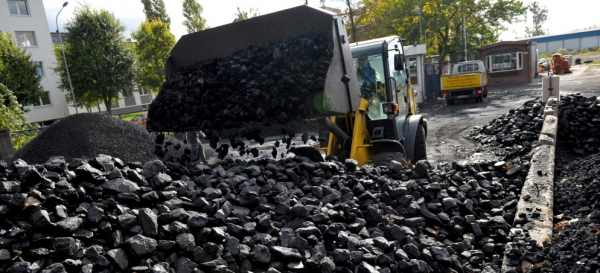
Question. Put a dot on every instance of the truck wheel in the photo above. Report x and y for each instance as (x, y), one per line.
(420, 145)
(450, 102)
(480, 99)
(485, 91)
(384, 159)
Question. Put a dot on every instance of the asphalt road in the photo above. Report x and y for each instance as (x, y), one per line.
(449, 124)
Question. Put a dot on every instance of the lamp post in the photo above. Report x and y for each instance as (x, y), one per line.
(65, 58)
(418, 11)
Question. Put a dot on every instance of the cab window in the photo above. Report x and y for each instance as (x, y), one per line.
(369, 71)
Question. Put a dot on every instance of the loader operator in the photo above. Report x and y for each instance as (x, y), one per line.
(367, 79)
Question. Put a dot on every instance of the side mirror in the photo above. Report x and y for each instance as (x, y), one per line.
(398, 62)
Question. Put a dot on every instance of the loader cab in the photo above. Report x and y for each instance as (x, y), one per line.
(383, 60)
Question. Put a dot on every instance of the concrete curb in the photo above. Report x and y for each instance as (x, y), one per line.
(535, 208)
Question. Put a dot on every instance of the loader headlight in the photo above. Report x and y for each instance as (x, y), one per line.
(390, 108)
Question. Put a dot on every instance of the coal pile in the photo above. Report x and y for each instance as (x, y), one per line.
(291, 215)
(514, 133)
(265, 84)
(574, 246)
(87, 135)
(576, 240)
(579, 123)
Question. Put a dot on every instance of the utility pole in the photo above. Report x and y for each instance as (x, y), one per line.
(418, 11)
(464, 28)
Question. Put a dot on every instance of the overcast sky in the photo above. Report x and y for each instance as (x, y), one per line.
(581, 13)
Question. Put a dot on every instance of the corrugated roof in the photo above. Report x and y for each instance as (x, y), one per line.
(576, 34)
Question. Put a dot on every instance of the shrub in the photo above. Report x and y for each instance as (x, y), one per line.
(563, 51)
(13, 118)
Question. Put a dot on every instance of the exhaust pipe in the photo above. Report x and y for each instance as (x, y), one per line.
(333, 128)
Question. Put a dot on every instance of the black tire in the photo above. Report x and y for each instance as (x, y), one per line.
(485, 92)
(384, 159)
(450, 102)
(420, 144)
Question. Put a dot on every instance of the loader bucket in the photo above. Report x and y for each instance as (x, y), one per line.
(340, 95)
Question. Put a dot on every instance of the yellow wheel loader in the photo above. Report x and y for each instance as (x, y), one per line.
(370, 123)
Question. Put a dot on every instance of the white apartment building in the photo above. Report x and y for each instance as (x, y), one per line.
(26, 21)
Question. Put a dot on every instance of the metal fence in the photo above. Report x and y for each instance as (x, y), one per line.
(20, 138)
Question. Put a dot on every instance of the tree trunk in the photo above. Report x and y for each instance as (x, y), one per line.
(108, 105)
(351, 14)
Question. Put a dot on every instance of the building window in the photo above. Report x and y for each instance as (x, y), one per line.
(144, 91)
(44, 99)
(55, 39)
(18, 7)
(39, 68)
(25, 38)
(505, 62)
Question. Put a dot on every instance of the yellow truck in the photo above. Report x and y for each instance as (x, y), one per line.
(468, 80)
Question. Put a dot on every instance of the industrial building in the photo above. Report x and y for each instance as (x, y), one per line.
(583, 39)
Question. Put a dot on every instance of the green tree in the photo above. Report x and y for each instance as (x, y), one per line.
(192, 11)
(18, 72)
(153, 45)
(101, 62)
(441, 22)
(243, 15)
(155, 9)
(539, 16)
(13, 118)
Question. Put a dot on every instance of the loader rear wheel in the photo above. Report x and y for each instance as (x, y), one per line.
(420, 145)
(384, 159)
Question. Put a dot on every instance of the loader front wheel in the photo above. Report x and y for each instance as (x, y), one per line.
(384, 159)
(420, 145)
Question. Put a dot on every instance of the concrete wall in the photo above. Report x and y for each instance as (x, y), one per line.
(6, 148)
(542, 47)
(554, 46)
(571, 44)
(589, 42)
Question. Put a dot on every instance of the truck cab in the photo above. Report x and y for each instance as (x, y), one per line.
(468, 67)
